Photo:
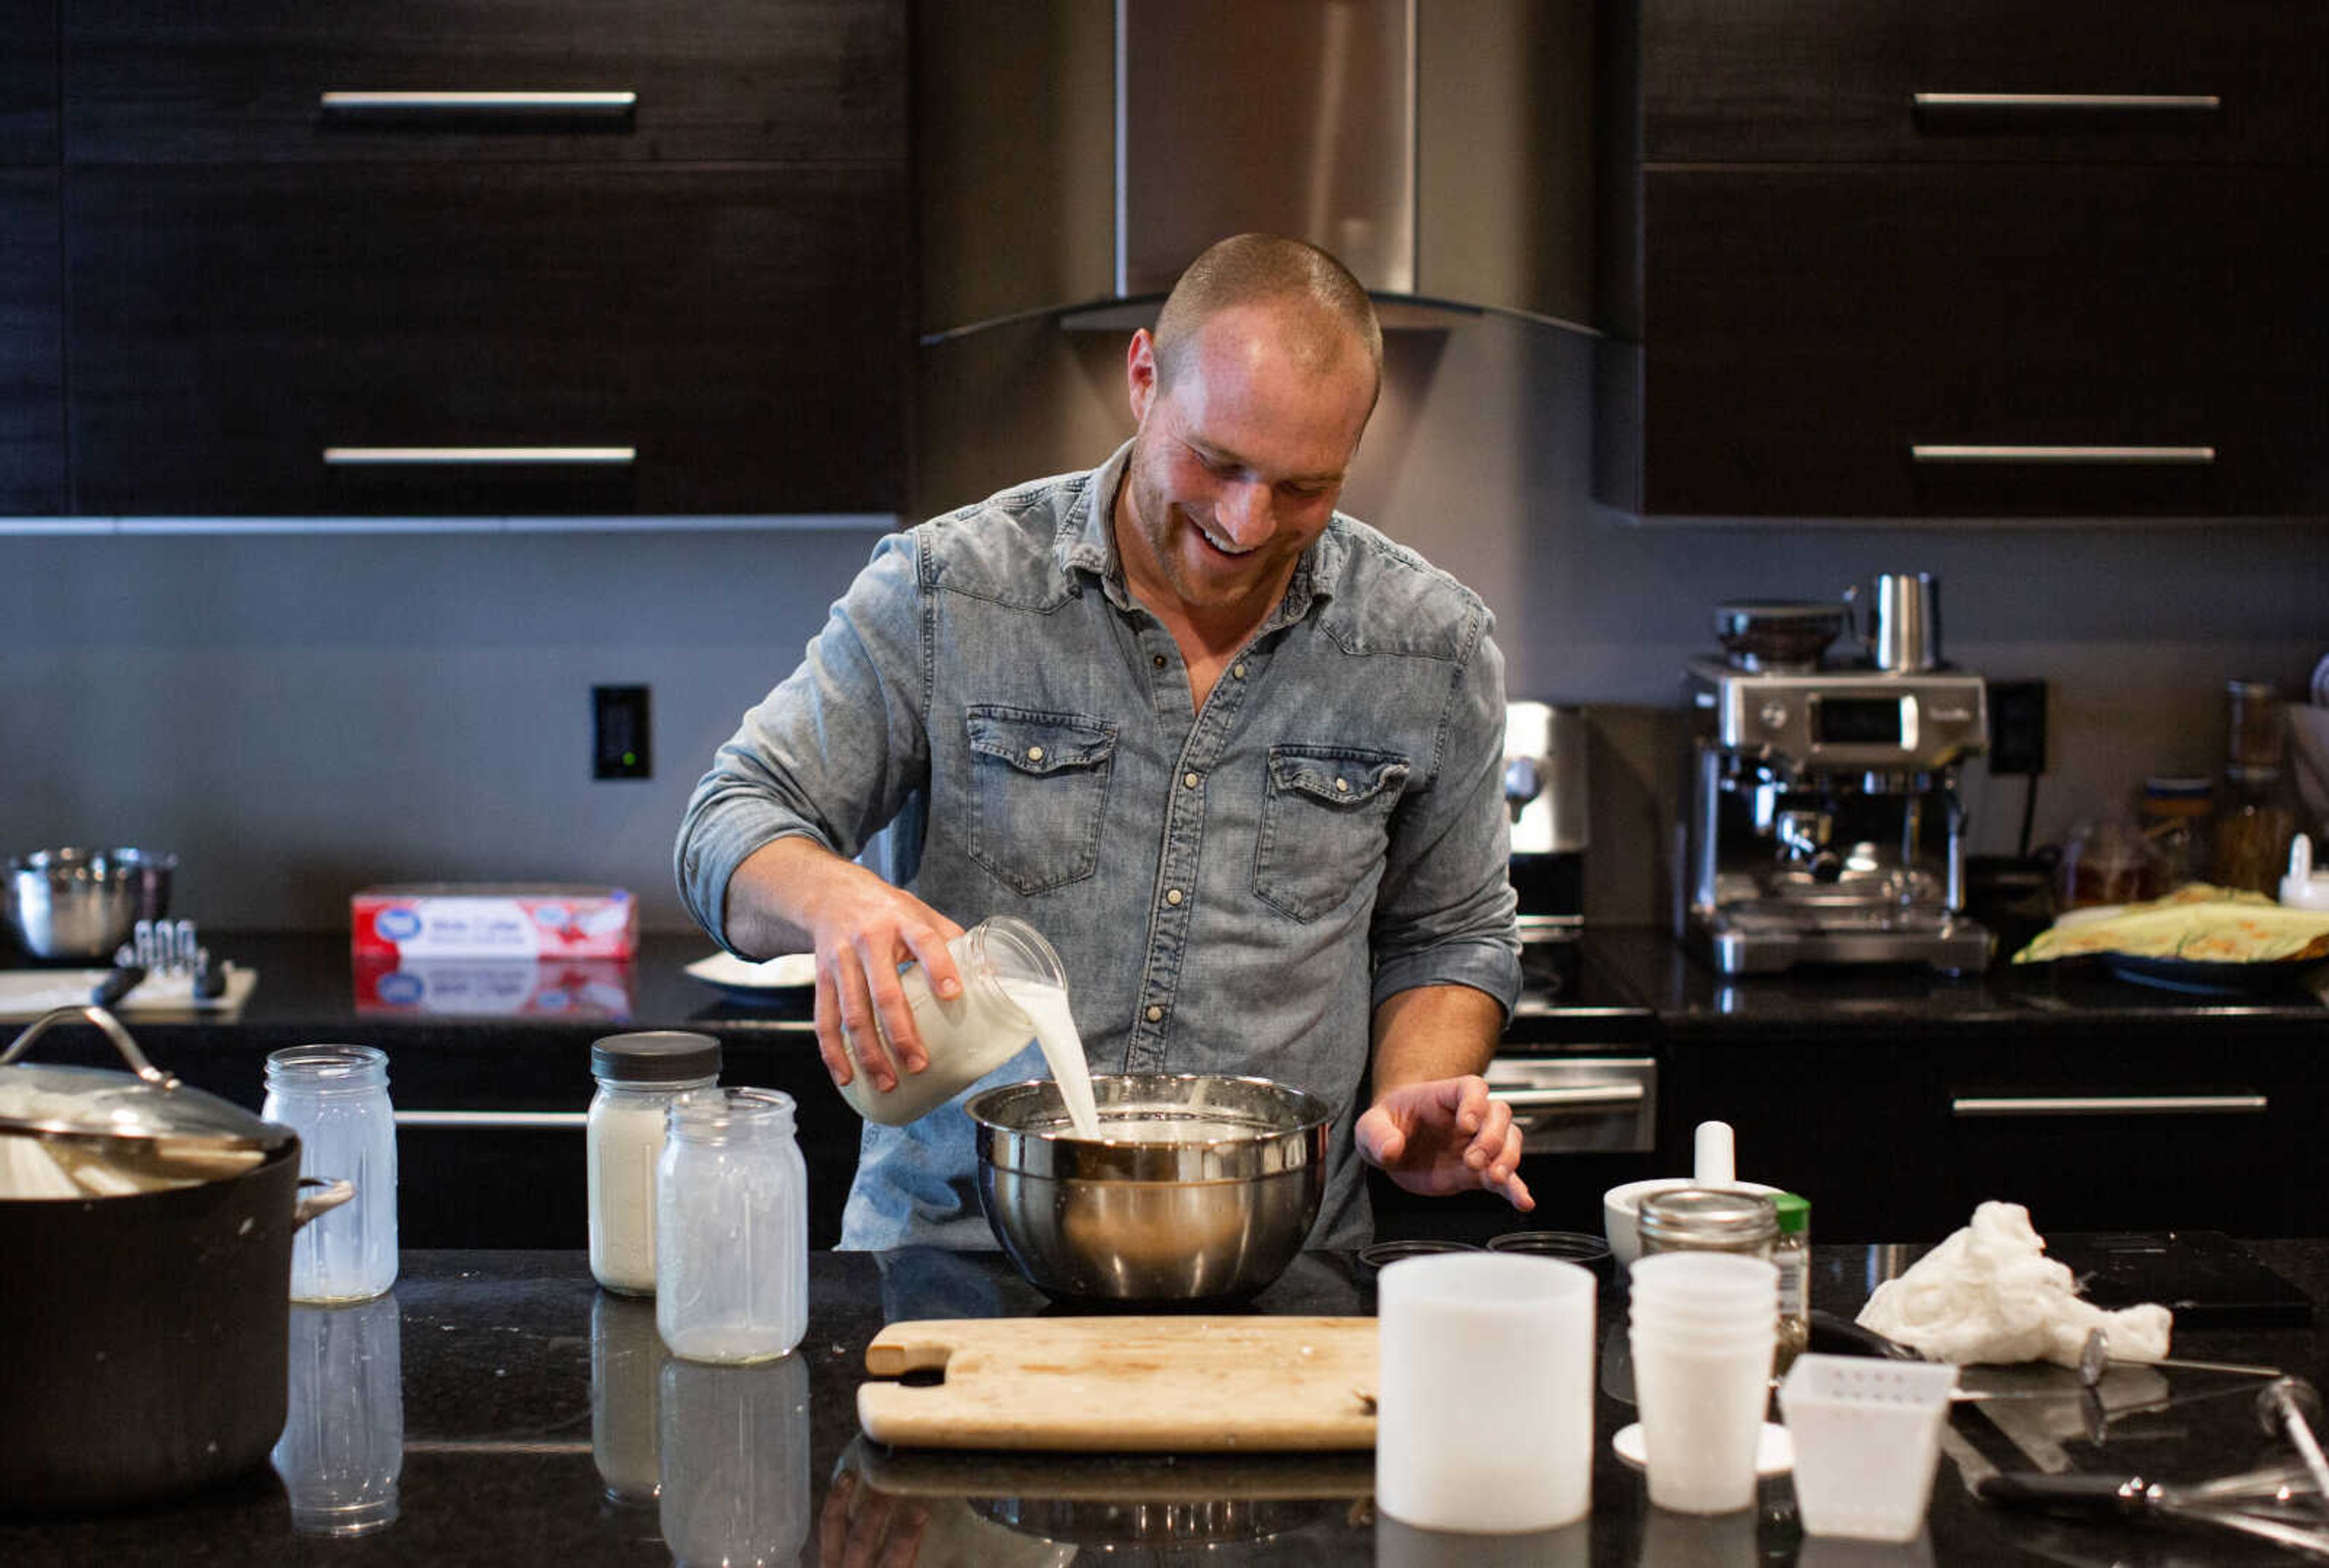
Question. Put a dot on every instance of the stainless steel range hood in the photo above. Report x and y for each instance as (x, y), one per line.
(1294, 117)
(1074, 156)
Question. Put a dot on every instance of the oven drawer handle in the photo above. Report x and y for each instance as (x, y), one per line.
(422, 106)
(1939, 454)
(488, 1121)
(1583, 1097)
(2110, 1105)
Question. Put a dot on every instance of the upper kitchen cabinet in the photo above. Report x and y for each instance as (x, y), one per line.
(28, 84)
(486, 81)
(564, 257)
(1966, 259)
(32, 319)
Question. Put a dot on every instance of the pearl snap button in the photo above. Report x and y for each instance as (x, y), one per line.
(1342, 785)
(1173, 895)
(1238, 670)
(1035, 754)
(1155, 1015)
(1189, 780)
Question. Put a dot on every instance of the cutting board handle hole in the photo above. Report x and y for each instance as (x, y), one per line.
(923, 1378)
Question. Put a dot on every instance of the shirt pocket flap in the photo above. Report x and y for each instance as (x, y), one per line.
(1335, 774)
(1040, 743)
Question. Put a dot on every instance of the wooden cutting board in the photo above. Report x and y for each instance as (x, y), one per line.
(1125, 1384)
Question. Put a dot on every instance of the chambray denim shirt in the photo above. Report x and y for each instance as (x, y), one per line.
(991, 721)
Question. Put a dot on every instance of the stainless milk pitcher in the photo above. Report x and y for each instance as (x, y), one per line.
(1903, 629)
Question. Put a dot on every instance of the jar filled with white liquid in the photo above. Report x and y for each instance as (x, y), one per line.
(1013, 990)
(638, 1076)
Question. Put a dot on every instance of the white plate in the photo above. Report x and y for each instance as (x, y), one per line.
(788, 972)
(1775, 1449)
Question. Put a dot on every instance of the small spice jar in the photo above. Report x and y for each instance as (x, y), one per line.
(638, 1076)
(1793, 1254)
(731, 1227)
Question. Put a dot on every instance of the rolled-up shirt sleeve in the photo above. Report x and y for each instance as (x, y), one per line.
(1445, 913)
(832, 753)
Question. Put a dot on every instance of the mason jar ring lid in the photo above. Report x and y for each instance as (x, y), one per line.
(1708, 1217)
(655, 1056)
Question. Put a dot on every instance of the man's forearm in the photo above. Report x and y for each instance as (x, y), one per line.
(772, 899)
(1433, 1032)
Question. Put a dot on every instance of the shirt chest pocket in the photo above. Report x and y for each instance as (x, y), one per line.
(1038, 792)
(1325, 816)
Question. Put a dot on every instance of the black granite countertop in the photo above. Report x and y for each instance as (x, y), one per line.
(308, 988)
(523, 1392)
(1690, 1000)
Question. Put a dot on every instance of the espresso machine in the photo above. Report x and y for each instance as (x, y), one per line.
(1821, 823)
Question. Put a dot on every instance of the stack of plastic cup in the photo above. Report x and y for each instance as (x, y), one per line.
(1703, 1331)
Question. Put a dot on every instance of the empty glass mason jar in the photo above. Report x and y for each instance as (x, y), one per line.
(731, 1227)
(336, 1098)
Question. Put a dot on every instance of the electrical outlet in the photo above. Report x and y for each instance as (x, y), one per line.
(2017, 727)
(619, 745)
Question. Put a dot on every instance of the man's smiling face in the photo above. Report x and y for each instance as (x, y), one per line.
(1241, 453)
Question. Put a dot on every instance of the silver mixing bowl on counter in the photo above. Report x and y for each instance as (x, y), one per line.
(81, 904)
(1199, 1188)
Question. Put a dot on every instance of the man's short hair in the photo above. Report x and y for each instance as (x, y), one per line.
(1263, 268)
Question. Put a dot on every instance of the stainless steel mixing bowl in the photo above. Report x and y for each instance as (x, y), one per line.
(1200, 1188)
(80, 904)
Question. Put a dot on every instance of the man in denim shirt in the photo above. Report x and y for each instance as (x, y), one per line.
(1238, 756)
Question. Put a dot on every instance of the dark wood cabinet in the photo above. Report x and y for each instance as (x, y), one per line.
(2232, 81)
(2090, 1130)
(31, 369)
(738, 327)
(588, 258)
(2078, 279)
(1876, 342)
(28, 84)
(749, 80)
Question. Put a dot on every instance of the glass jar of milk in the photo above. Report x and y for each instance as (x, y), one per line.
(1013, 990)
(638, 1076)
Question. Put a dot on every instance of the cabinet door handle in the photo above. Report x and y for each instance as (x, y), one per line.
(2110, 457)
(2110, 1105)
(413, 457)
(1583, 1097)
(1987, 104)
(441, 106)
(486, 1120)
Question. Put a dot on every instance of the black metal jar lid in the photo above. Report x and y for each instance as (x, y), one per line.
(655, 1056)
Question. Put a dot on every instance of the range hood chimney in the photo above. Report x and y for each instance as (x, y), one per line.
(1292, 117)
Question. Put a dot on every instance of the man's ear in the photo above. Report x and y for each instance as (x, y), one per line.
(1140, 372)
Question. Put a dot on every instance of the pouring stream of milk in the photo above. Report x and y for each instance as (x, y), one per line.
(1046, 1007)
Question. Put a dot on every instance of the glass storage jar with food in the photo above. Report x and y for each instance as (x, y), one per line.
(2257, 816)
(2108, 860)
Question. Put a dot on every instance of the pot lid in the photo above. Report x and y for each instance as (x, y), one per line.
(146, 1106)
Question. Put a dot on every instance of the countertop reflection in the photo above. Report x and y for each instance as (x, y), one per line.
(498, 1407)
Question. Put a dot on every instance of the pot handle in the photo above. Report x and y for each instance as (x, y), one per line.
(334, 1193)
